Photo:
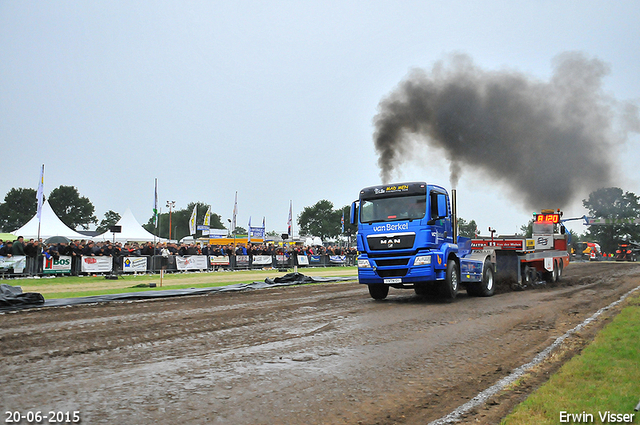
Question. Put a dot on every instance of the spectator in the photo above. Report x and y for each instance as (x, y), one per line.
(7, 249)
(18, 246)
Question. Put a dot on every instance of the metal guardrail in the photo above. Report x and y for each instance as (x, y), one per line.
(154, 264)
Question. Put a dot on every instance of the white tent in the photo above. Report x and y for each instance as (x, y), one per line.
(131, 231)
(50, 225)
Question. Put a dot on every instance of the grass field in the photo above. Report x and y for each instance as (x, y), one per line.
(604, 378)
(81, 286)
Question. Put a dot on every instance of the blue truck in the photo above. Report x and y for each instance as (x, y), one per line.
(407, 238)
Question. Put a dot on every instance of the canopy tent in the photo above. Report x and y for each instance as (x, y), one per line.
(50, 225)
(131, 231)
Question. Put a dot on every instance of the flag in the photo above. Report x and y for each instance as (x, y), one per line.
(249, 231)
(207, 216)
(155, 206)
(342, 221)
(289, 228)
(235, 213)
(40, 194)
(192, 221)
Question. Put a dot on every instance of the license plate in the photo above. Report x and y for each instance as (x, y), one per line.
(389, 281)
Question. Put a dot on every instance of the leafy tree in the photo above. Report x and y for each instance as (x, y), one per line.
(19, 206)
(527, 229)
(110, 219)
(320, 220)
(180, 222)
(467, 230)
(612, 203)
(74, 210)
(240, 231)
(349, 229)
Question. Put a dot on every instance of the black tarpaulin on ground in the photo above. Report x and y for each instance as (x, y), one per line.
(12, 296)
(286, 280)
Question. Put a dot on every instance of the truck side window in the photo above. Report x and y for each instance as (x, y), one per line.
(433, 200)
(438, 205)
(442, 205)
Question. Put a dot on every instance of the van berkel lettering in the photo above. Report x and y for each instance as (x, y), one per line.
(391, 227)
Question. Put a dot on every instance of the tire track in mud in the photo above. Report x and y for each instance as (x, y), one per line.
(305, 354)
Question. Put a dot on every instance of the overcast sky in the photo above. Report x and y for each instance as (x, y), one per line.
(274, 100)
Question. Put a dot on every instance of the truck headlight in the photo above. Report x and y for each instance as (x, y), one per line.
(422, 260)
(364, 264)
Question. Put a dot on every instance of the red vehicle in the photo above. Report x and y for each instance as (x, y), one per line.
(627, 251)
(541, 257)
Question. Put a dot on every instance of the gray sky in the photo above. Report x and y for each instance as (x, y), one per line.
(274, 100)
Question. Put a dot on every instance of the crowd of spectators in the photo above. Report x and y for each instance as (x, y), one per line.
(74, 248)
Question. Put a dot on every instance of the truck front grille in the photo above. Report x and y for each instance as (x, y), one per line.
(392, 262)
(392, 273)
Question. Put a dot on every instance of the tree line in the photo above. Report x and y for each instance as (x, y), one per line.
(320, 219)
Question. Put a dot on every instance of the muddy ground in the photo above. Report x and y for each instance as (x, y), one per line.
(314, 354)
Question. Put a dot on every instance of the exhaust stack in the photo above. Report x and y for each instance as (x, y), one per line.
(454, 216)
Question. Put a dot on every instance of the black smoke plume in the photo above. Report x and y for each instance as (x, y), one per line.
(548, 141)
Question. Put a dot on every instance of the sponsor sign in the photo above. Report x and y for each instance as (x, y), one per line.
(60, 265)
(543, 241)
(337, 259)
(96, 264)
(303, 260)
(262, 260)
(391, 227)
(281, 258)
(191, 262)
(514, 244)
(134, 264)
(219, 260)
(16, 262)
(242, 260)
(315, 259)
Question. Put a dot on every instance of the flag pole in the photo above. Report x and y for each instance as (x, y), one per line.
(40, 195)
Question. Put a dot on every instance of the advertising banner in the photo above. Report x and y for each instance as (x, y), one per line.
(303, 260)
(96, 264)
(219, 260)
(242, 260)
(337, 259)
(191, 262)
(134, 264)
(262, 260)
(16, 262)
(281, 259)
(543, 242)
(315, 259)
(60, 265)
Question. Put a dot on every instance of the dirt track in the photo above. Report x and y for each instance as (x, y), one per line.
(319, 354)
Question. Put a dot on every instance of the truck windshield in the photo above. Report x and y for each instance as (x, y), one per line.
(395, 208)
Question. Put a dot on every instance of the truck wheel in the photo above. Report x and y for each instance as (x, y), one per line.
(527, 276)
(486, 288)
(378, 291)
(560, 267)
(552, 276)
(449, 287)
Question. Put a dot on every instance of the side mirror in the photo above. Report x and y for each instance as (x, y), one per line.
(353, 216)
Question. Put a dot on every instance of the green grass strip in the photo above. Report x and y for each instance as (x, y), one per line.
(82, 286)
(605, 377)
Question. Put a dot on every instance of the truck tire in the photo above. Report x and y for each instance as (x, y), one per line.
(449, 287)
(552, 276)
(560, 267)
(487, 287)
(378, 291)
